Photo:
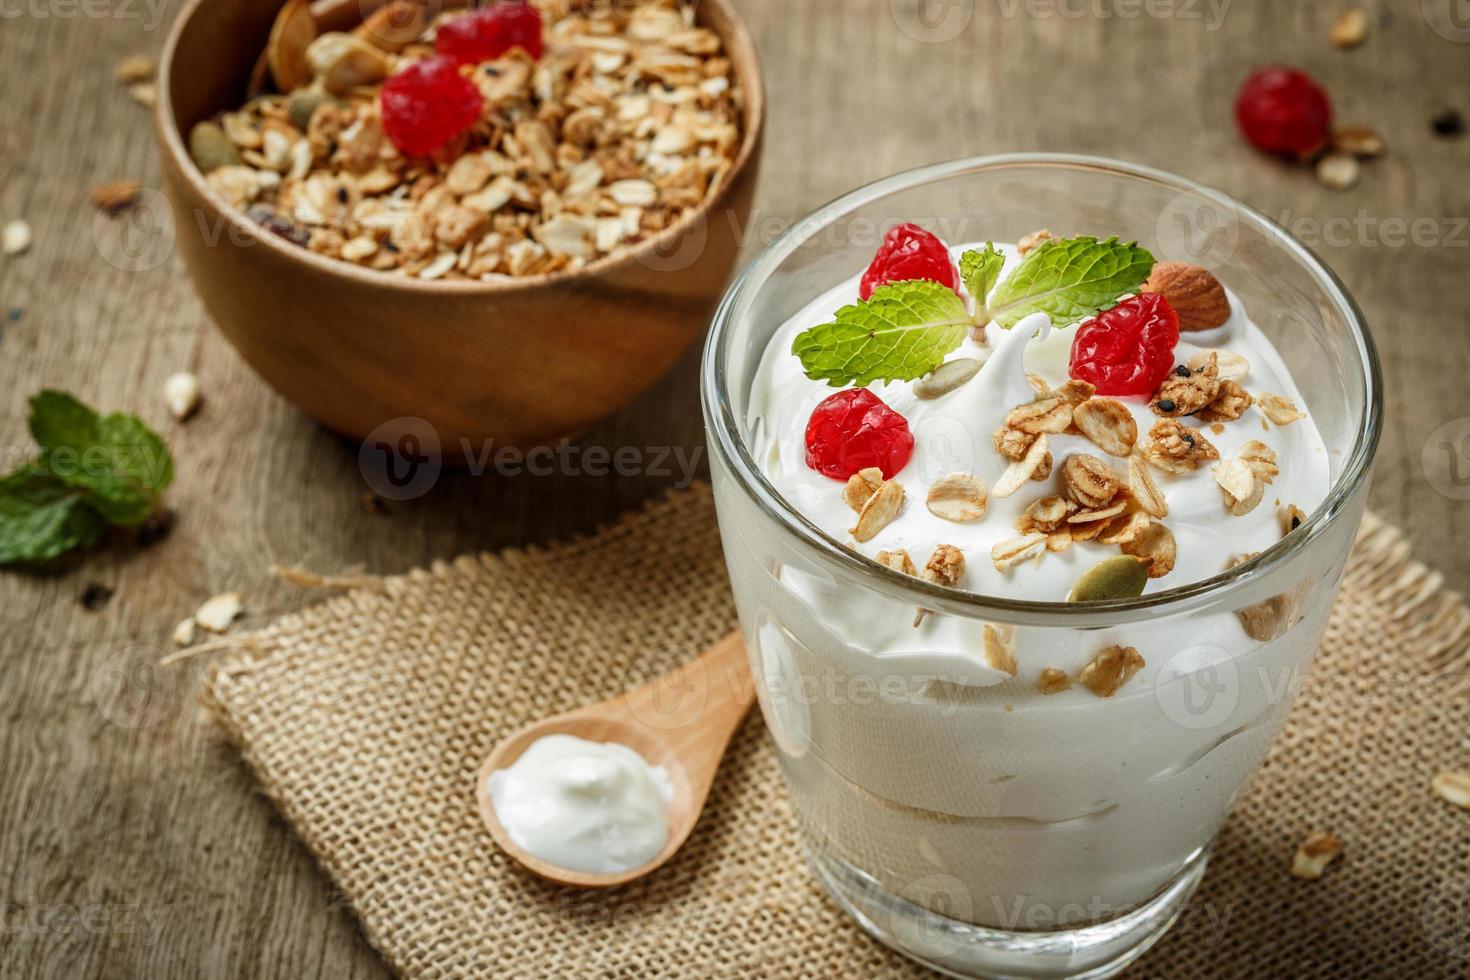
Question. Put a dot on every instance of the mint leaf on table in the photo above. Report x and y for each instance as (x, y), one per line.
(42, 517)
(1068, 280)
(979, 270)
(93, 471)
(124, 464)
(900, 333)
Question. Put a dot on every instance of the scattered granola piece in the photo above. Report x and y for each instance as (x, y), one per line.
(116, 195)
(1240, 486)
(1142, 488)
(1349, 30)
(1059, 541)
(1053, 681)
(1016, 475)
(1110, 670)
(946, 566)
(1186, 391)
(1271, 618)
(1453, 787)
(959, 497)
(1338, 171)
(1075, 391)
(182, 393)
(15, 238)
(1229, 405)
(1155, 545)
(1194, 293)
(879, 511)
(1291, 519)
(898, 560)
(1176, 448)
(1109, 424)
(144, 93)
(1011, 443)
(184, 632)
(1043, 469)
(218, 612)
(1279, 409)
(999, 652)
(1230, 365)
(1122, 530)
(1318, 851)
(1045, 415)
(133, 69)
(1007, 554)
(861, 486)
(1045, 515)
(1090, 515)
(1028, 242)
(1361, 141)
(1089, 481)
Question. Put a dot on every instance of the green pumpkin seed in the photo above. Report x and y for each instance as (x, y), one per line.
(211, 148)
(303, 105)
(1120, 577)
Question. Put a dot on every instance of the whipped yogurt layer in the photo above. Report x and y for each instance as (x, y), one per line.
(953, 434)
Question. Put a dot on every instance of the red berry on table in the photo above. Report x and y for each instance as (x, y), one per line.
(427, 104)
(1129, 349)
(1282, 110)
(853, 430)
(909, 252)
(489, 32)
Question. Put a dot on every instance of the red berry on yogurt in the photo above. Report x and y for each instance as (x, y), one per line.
(909, 252)
(427, 104)
(1282, 110)
(853, 430)
(1129, 349)
(489, 32)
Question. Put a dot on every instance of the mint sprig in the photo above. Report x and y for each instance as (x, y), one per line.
(1068, 280)
(905, 329)
(93, 471)
(899, 333)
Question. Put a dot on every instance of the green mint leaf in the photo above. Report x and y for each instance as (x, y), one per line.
(980, 270)
(42, 516)
(900, 333)
(122, 464)
(1069, 280)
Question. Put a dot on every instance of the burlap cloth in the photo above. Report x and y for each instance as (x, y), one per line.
(367, 716)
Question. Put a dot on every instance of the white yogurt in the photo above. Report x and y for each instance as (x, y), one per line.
(586, 806)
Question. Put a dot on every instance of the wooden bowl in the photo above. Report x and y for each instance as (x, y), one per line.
(522, 362)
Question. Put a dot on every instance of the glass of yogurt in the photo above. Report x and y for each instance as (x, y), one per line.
(1028, 602)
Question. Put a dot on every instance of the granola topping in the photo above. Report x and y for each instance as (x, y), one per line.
(1187, 390)
(1113, 667)
(1318, 851)
(620, 128)
(1176, 448)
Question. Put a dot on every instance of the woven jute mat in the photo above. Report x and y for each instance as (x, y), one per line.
(367, 716)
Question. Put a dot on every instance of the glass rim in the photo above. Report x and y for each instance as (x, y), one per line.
(723, 426)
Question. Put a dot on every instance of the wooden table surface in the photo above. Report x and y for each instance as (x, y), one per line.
(132, 841)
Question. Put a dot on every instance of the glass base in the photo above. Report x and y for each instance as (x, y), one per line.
(962, 949)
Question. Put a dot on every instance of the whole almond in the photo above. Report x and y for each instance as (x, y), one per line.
(1194, 293)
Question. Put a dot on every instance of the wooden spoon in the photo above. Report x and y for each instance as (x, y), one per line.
(683, 721)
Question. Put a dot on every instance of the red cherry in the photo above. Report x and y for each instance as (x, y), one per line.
(1282, 110)
(1129, 349)
(489, 32)
(853, 430)
(908, 252)
(427, 104)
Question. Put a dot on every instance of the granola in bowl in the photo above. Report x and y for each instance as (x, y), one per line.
(616, 124)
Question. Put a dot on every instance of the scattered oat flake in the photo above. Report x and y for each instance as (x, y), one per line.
(183, 394)
(184, 632)
(1279, 409)
(1349, 30)
(15, 238)
(218, 612)
(144, 93)
(1113, 667)
(1360, 141)
(999, 652)
(134, 68)
(1318, 851)
(1053, 681)
(879, 511)
(1453, 787)
(1339, 171)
